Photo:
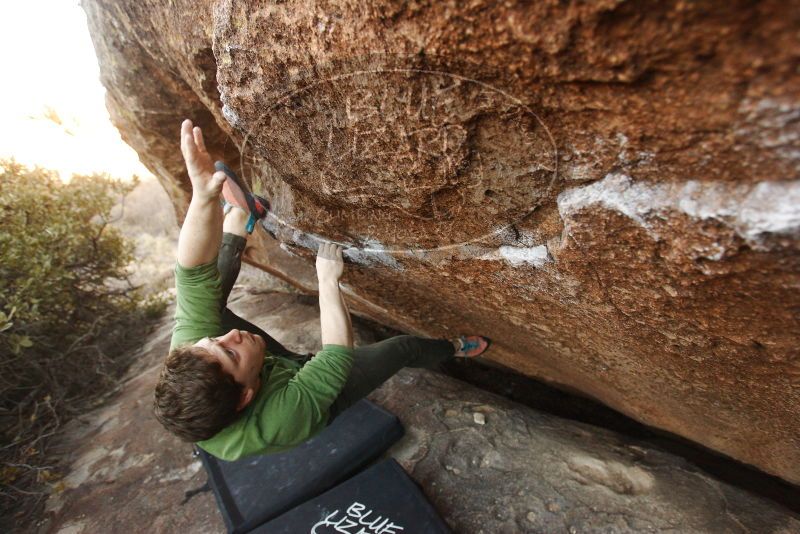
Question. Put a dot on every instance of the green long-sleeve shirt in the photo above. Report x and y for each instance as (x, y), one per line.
(292, 403)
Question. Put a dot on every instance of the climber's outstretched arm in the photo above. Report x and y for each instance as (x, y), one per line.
(335, 325)
(201, 232)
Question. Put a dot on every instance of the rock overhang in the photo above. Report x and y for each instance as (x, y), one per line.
(609, 193)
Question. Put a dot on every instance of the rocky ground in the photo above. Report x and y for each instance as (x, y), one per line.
(487, 464)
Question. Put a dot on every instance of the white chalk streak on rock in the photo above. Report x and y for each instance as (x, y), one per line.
(750, 210)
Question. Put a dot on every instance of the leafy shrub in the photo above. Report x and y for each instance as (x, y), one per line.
(67, 310)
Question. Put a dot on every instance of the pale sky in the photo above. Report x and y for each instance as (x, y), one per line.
(49, 68)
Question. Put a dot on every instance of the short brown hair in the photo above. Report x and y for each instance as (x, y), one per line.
(194, 397)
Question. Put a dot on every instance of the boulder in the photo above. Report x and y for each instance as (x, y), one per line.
(493, 466)
(607, 189)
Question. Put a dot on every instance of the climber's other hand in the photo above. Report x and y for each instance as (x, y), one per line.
(330, 264)
(206, 184)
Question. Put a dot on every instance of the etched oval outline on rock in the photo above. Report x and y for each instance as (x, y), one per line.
(283, 98)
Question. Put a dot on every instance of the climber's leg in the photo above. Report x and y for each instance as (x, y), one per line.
(376, 363)
(234, 240)
(229, 263)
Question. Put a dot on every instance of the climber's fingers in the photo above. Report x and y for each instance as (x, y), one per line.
(198, 139)
(188, 146)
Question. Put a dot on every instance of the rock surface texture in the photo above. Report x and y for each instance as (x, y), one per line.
(608, 189)
(487, 464)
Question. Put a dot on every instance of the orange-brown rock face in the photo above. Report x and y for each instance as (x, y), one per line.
(608, 189)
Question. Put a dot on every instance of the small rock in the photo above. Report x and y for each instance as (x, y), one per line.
(531, 517)
(553, 507)
(451, 413)
(479, 418)
(454, 470)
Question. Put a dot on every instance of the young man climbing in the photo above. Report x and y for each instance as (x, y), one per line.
(226, 384)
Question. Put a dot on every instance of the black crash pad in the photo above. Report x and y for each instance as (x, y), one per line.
(381, 500)
(253, 490)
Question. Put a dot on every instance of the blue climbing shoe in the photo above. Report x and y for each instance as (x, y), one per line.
(236, 193)
(472, 346)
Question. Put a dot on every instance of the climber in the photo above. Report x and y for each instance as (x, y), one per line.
(226, 384)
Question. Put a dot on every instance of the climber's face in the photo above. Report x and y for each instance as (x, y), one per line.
(241, 355)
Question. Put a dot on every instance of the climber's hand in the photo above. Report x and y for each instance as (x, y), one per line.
(330, 265)
(206, 184)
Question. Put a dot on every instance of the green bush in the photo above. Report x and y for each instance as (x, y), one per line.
(67, 310)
